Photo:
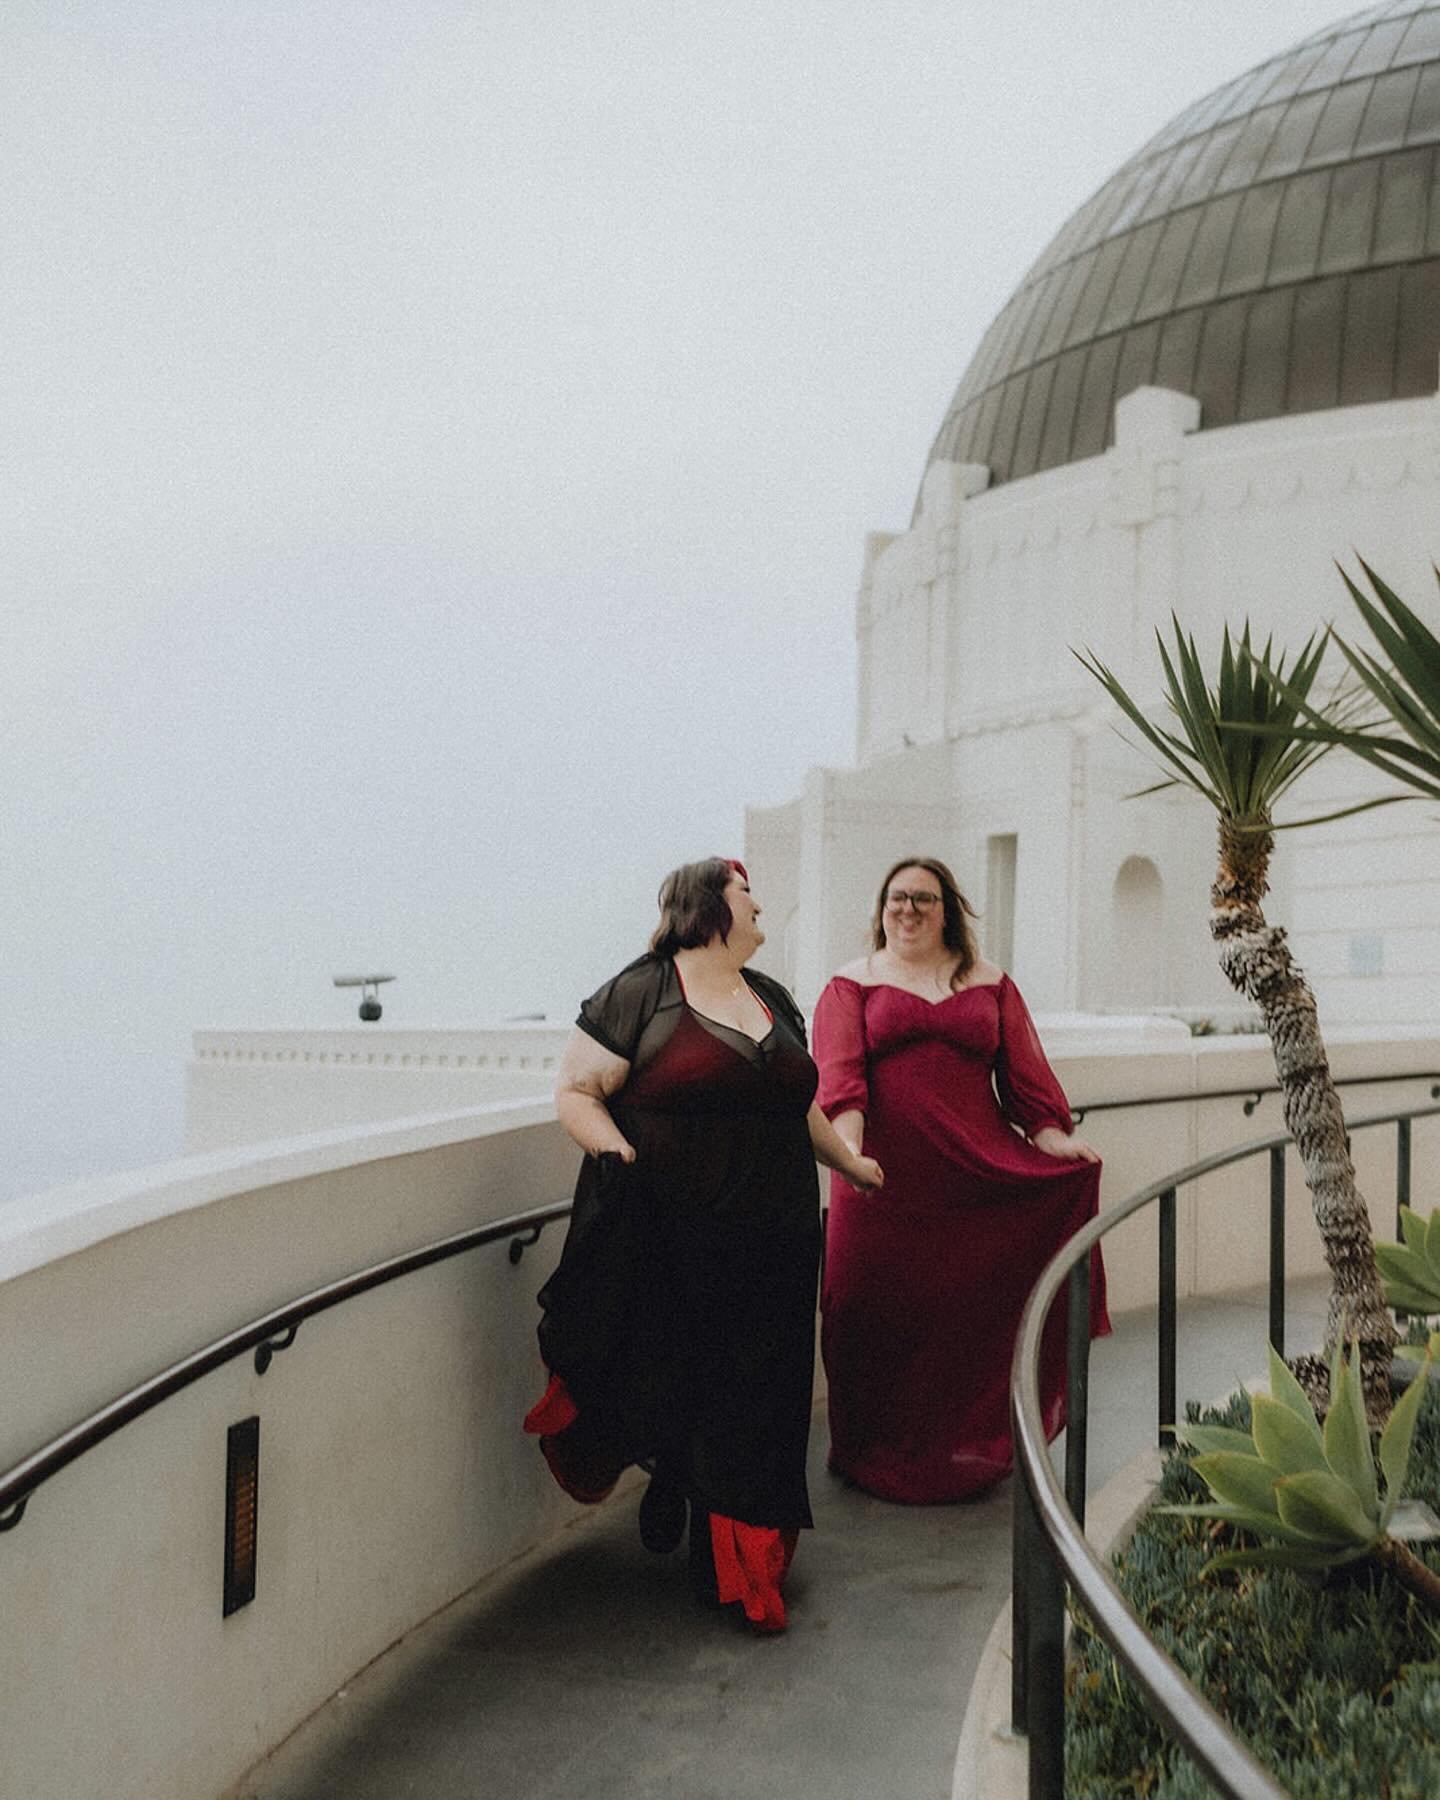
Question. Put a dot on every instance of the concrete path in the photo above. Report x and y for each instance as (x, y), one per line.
(585, 1671)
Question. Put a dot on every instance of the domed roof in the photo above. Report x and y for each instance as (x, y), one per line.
(1276, 249)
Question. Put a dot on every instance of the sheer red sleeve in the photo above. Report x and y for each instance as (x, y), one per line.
(1029, 1091)
(840, 1048)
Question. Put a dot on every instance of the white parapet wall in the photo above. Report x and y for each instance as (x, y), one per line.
(248, 1085)
(393, 1474)
(1223, 1220)
(245, 1086)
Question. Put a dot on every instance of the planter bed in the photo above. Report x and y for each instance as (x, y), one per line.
(1335, 1686)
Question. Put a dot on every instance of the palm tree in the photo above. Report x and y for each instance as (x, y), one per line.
(1241, 745)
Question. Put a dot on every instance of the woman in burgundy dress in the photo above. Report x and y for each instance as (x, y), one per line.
(679, 1326)
(924, 1285)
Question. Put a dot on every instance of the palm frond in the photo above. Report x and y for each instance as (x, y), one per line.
(1241, 742)
(1407, 693)
(1406, 640)
(1345, 812)
(1174, 753)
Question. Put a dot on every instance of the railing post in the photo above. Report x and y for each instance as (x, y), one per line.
(1022, 1534)
(1077, 1387)
(1277, 1247)
(1044, 1677)
(1166, 1383)
(1402, 1172)
(1047, 1677)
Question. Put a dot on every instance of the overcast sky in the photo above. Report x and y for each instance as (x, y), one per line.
(436, 446)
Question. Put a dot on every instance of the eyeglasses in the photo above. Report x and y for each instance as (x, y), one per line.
(897, 899)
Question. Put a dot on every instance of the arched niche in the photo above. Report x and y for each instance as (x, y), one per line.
(1138, 975)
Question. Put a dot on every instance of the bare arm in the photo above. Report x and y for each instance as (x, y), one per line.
(589, 1075)
(832, 1150)
(850, 1127)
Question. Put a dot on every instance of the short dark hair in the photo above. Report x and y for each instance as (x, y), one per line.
(693, 907)
(957, 935)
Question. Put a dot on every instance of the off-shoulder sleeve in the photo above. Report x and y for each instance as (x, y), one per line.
(840, 1048)
(1029, 1091)
(617, 1012)
(779, 999)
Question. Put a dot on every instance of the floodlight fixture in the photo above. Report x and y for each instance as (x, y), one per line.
(369, 1001)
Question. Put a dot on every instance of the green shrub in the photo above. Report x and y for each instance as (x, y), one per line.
(1334, 1682)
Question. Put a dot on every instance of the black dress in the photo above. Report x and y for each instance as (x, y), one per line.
(681, 1316)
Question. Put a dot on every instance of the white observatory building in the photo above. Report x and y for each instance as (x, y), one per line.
(1218, 378)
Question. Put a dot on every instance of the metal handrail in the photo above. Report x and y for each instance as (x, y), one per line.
(1050, 1547)
(267, 1336)
(1253, 1095)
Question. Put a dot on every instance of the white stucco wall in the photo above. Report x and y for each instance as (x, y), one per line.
(974, 719)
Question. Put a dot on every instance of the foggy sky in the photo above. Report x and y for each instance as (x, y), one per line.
(436, 448)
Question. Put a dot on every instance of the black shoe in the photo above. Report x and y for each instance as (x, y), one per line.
(662, 1516)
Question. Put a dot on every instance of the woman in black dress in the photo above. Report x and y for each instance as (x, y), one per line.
(679, 1327)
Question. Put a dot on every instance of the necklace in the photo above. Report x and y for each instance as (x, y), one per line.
(731, 993)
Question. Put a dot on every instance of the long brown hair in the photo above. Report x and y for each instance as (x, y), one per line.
(956, 935)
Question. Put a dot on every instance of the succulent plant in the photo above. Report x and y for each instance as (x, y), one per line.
(1411, 1271)
(1312, 1492)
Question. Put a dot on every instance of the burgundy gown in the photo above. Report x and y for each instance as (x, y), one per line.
(925, 1280)
(679, 1327)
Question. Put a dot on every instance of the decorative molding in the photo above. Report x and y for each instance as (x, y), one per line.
(1283, 484)
(371, 1059)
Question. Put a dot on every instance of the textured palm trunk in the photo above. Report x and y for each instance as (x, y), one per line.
(1257, 962)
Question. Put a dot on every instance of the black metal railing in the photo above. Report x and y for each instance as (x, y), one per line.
(267, 1335)
(1050, 1551)
(1253, 1095)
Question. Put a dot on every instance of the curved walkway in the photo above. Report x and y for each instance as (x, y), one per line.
(584, 1671)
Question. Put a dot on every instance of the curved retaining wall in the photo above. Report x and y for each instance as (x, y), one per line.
(392, 1473)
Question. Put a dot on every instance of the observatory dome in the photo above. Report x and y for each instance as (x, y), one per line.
(1274, 250)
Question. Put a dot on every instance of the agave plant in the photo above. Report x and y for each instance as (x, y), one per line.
(1313, 1493)
(1242, 745)
(1411, 1271)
